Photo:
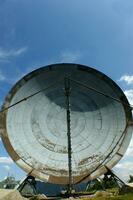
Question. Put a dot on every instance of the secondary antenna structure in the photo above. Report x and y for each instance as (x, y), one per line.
(66, 138)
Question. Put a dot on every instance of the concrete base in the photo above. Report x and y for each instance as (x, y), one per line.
(6, 194)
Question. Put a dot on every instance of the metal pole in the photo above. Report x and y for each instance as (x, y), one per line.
(67, 94)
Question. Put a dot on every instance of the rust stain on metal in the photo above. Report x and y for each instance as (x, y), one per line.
(89, 160)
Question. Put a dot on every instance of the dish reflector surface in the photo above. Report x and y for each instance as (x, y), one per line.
(35, 131)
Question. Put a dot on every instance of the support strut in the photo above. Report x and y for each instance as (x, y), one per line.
(67, 94)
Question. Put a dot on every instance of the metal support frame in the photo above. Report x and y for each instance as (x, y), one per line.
(109, 172)
(28, 181)
(68, 118)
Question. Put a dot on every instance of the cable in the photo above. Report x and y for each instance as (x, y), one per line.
(28, 97)
(99, 92)
(75, 81)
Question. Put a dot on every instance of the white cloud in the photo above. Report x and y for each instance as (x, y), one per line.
(6, 160)
(70, 56)
(7, 167)
(124, 169)
(129, 94)
(7, 54)
(125, 165)
(129, 151)
(127, 79)
(18, 52)
(2, 77)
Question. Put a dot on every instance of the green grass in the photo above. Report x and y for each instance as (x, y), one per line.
(123, 197)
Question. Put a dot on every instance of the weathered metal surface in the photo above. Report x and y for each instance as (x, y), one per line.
(35, 131)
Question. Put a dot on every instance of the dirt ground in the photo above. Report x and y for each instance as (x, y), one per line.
(10, 195)
(15, 195)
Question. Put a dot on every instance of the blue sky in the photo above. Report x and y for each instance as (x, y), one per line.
(96, 33)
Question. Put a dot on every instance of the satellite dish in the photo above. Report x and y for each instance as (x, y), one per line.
(34, 123)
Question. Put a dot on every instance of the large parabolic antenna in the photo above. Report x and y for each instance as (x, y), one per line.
(34, 128)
